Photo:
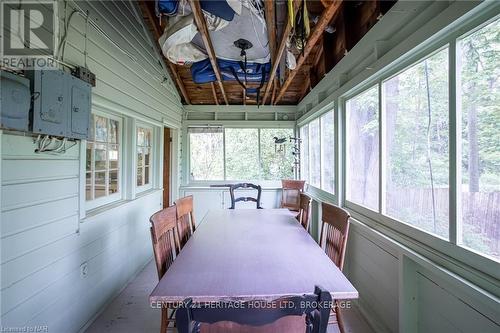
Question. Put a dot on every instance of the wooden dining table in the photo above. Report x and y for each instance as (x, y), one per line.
(250, 254)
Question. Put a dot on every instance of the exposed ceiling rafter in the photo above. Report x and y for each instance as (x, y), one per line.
(323, 21)
(270, 12)
(202, 28)
(157, 33)
(279, 53)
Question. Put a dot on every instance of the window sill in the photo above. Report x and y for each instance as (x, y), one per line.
(146, 191)
(91, 213)
(320, 195)
(101, 209)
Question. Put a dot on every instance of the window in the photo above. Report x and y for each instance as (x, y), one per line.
(239, 154)
(304, 154)
(206, 153)
(315, 153)
(276, 158)
(362, 151)
(144, 140)
(416, 145)
(327, 152)
(242, 153)
(480, 140)
(103, 160)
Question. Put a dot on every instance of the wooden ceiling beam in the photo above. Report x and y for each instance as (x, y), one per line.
(279, 54)
(326, 3)
(205, 36)
(270, 12)
(323, 21)
(170, 67)
(269, 8)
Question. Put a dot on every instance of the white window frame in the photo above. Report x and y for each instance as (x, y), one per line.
(187, 156)
(318, 192)
(450, 246)
(348, 203)
(152, 159)
(305, 141)
(106, 200)
(311, 147)
(322, 151)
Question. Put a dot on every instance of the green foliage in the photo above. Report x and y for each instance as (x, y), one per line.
(206, 156)
(276, 164)
(242, 153)
(480, 77)
(241, 158)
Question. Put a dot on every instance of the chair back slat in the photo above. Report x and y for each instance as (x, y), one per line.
(315, 307)
(290, 193)
(234, 200)
(165, 238)
(185, 219)
(304, 210)
(184, 229)
(334, 232)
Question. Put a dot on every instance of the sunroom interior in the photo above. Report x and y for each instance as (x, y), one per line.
(386, 113)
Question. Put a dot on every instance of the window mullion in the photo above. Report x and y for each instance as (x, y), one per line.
(259, 153)
(224, 151)
(455, 114)
(320, 139)
(143, 167)
(107, 166)
(381, 150)
(309, 153)
(92, 171)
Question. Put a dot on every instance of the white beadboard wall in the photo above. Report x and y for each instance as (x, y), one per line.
(43, 240)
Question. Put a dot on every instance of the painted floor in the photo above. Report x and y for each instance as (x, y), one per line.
(129, 312)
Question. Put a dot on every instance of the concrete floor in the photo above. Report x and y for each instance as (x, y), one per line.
(129, 312)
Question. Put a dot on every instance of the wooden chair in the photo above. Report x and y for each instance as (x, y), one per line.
(334, 233)
(304, 211)
(185, 219)
(316, 308)
(290, 194)
(234, 200)
(165, 238)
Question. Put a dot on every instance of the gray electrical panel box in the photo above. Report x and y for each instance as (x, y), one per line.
(15, 101)
(61, 104)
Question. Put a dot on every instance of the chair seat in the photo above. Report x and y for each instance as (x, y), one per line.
(290, 324)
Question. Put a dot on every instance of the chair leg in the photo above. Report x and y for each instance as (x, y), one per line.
(340, 321)
(164, 320)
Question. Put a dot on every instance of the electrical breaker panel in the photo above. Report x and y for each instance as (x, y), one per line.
(61, 104)
(15, 101)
